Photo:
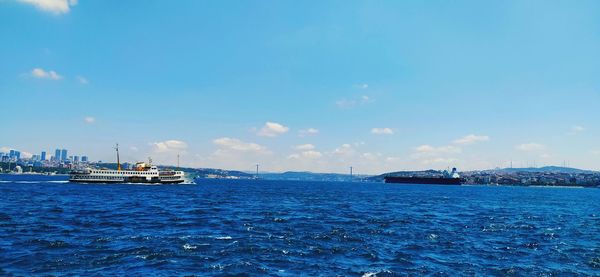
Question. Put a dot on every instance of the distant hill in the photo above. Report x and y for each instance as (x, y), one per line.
(545, 169)
(308, 176)
(429, 173)
(216, 173)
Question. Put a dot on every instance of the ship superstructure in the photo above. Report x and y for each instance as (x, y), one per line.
(140, 173)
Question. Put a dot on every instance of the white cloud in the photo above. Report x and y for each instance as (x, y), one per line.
(134, 149)
(89, 119)
(308, 132)
(382, 131)
(363, 86)
(370, 156)
(232, 153)
(43, 74)
(82, 80)
(345, 103)
(439, 161)
(470, 139)
(169, 146)
(311, 154)
(344, 150)
(532, 146)
(428, 154)
(307, 152)
(596, 152)
(425, 148)
(576, 129)
(237, 145)
(428, 149)
(5, 149)
(307, 146)
(272, 129)
(392, 159)
(53, 6)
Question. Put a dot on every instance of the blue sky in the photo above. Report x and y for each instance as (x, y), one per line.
(296, 85)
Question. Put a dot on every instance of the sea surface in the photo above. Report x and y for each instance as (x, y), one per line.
(289, 228)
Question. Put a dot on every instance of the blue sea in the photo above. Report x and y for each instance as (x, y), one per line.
(289, 228)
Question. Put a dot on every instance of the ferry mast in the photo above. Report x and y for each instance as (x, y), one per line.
(118, 161)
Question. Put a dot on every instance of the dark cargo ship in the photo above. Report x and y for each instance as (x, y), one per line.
(447, 179)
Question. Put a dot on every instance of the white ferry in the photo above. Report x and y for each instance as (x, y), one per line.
(141, 173)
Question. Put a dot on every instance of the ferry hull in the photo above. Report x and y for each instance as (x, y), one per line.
(423, 180)
(126, 182)
(104, 178)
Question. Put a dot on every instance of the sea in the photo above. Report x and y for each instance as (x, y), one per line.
(289, 228)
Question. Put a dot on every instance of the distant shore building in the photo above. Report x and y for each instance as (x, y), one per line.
(14, 155)
(43, 156)
(63, 155)
(84, 159)
(57, 155)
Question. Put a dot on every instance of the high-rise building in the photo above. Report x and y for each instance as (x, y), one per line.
(12, 153)
(76, 159)
(18, 155)
(84, 159)
(57, 155)
(63, 155)
(43, 156)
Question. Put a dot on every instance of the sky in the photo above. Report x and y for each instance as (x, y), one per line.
(304, 85)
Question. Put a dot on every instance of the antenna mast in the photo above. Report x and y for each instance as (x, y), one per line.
(118, 161)
(178, 161)
(256, 171)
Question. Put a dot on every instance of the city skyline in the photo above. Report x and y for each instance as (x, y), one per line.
(380, 86)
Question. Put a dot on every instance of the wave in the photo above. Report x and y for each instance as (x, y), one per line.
(188, 246)
(375, 273)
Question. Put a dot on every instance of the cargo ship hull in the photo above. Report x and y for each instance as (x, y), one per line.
(423, 180)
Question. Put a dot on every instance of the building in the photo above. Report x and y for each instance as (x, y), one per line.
(63, 155)
(84, 159)
(76, 159)
(14, 155)
(57, 155)
(43, 156)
